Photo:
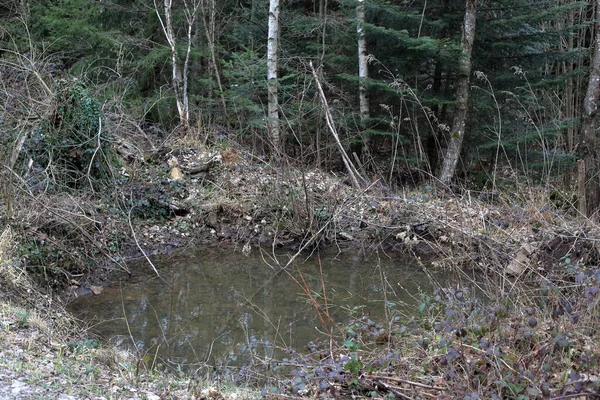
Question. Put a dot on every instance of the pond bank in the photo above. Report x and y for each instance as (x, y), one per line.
(228, 196)
(530, 344)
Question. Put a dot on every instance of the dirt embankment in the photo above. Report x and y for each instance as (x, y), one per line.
(190, 196)
(193, 196)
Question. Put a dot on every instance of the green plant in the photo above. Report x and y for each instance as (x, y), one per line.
(71, 149)
(568, 265)
(80, 345)
(22, 319)
(354, 365)
(76, 138)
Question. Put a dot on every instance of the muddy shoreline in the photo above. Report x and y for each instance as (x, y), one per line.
(224, 198)
(509, 243)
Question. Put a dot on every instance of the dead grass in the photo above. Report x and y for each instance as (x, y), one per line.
(45, 353)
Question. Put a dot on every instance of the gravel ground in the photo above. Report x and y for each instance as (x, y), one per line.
(32, 366)
(38, 361)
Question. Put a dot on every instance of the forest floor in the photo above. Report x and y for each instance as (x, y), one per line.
(193, 196)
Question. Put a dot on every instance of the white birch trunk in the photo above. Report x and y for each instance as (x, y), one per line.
(457, 133)
(190, 14)
(363, 68)
(272, 66)
(179, 78)
(363, 73)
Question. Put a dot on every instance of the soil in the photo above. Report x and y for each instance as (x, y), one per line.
(194, 196)
(210, 197)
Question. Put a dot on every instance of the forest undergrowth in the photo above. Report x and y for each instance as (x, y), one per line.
(524, 328)
(85, 189)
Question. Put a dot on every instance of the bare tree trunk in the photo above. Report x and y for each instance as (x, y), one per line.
(208, 19)
(566, 44)
(433, 147)
(569, 100)
(323, 20)
(272, 83)
(462, 94)
(589, 152)
(363, 71)
(179, 74)
(190, 15)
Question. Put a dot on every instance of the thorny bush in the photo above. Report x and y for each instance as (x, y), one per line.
(528, 343)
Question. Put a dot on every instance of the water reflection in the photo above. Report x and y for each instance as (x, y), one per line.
(209, 300)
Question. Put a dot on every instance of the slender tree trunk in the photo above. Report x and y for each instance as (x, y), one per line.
(589, 152)
(570, 102)
(355, 177)
(569, 98)
(176, 76)
(363, 66)
(322, 41)
(462, 95)
(208, 19)
(433, 140)
(190, 15)
(272, 83)
(363, 71)
(179, 75)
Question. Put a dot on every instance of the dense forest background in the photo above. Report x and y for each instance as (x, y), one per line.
(529, 75)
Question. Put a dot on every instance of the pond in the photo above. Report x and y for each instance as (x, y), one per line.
(208, 301)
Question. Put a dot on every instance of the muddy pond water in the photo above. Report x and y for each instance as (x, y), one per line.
(208, 302)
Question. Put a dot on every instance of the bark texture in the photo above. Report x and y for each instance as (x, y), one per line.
(178, 76)
(589, 151)
(272, 66)
(459, 123)
(363, 67)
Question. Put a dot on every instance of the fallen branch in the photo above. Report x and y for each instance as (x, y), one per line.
(395, 390)
(89, 170)
(405, 381)
(137, 243)
(357, 180)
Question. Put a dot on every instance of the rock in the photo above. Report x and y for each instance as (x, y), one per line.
(176, 173)
(522, 259)
(97, 290)
(78, 291)
(346, 236)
